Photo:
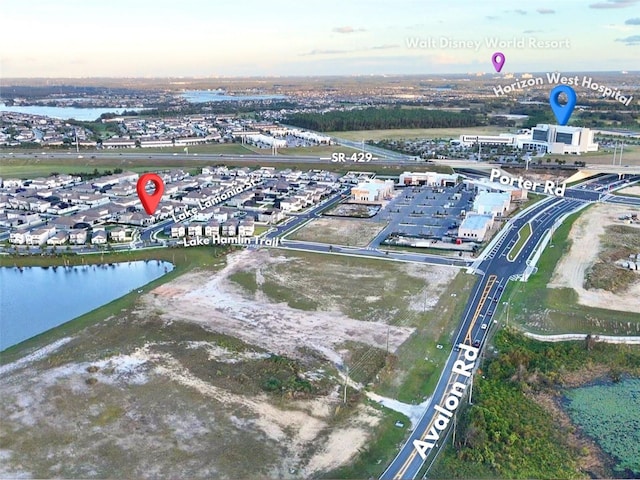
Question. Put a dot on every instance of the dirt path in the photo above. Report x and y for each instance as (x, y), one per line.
(570, 271)
(218, 303)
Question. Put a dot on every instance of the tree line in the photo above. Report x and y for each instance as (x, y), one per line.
(382, 118)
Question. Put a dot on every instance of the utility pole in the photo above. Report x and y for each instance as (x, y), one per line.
(388, 328)
(453, 440)
(507, 305)
(621, 148)
(345, 385)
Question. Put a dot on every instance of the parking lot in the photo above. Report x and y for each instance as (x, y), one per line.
(427, 212)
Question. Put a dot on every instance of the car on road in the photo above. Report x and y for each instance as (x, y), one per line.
(483, 326)
(489, 313)
(476, 343)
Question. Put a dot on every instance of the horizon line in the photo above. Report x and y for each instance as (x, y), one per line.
(213, 77)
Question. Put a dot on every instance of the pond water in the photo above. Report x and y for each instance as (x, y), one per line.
(65, 113)
(36, 299)
(199, 96)
(609, 413)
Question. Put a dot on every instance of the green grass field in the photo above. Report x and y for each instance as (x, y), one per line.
(221, 148)
(38, 167)
(523, 235)
(631, 156)
(536, 308)
(409, 133)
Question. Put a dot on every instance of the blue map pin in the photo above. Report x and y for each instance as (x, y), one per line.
(562, 112)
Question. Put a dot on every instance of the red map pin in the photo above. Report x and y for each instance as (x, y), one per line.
(150, 201)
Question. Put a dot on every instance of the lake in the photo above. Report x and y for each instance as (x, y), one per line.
(65, 113)
(199, 96)
(37, 299)
(609, 413)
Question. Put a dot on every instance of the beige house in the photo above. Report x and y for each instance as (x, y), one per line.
(78, 237)
(178, 230)
(194, 230)
(246, 228)
(118, 235)
(59, 238)
(99, 237)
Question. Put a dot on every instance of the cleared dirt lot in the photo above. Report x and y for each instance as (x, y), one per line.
(587, 243)
(227, 374)
(635, 190)
(336, 231)
(146, 414)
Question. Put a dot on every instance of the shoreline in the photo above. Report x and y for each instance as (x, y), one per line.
(184, 260)
(599, 464)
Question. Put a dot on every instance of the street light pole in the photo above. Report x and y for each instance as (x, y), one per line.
(345, 385)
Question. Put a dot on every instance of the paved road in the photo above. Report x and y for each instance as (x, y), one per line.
(496, 270)
(390, 158)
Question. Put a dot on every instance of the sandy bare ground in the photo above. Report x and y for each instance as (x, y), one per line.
(635, 190)
(347, 232)
(151, 412)
(570, 271)
(43, 402)
(219, 304)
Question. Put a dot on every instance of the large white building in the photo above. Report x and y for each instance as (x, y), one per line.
(475, 226)
(495, 204)
(267, 140)
(561, 139)
(556, 139)
(372, 191)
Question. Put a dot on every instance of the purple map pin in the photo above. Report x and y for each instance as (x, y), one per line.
(498, 61)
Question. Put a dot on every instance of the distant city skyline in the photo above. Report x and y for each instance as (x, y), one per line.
(76, 38)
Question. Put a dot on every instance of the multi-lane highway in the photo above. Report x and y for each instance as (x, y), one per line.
(385, 157)
(495, 271)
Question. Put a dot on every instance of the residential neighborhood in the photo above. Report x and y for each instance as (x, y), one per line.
(65, 210)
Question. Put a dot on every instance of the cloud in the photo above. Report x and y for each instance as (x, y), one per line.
(545, 11)
(618, 27)
(614, 4)
(533, 31)
(324, 52)
(491, 17)
(347, 29)
(383, 47)
(520, 12)
(354, 50)
(633, 21)
(632, 40)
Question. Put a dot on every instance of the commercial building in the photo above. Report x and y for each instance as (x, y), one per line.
(483, 184)
(428, 178)
(555, 139)
(372, 191)
(495, 204)
(475, 226)
(561, 140)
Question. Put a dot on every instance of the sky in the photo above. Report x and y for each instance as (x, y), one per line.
(218, 38)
